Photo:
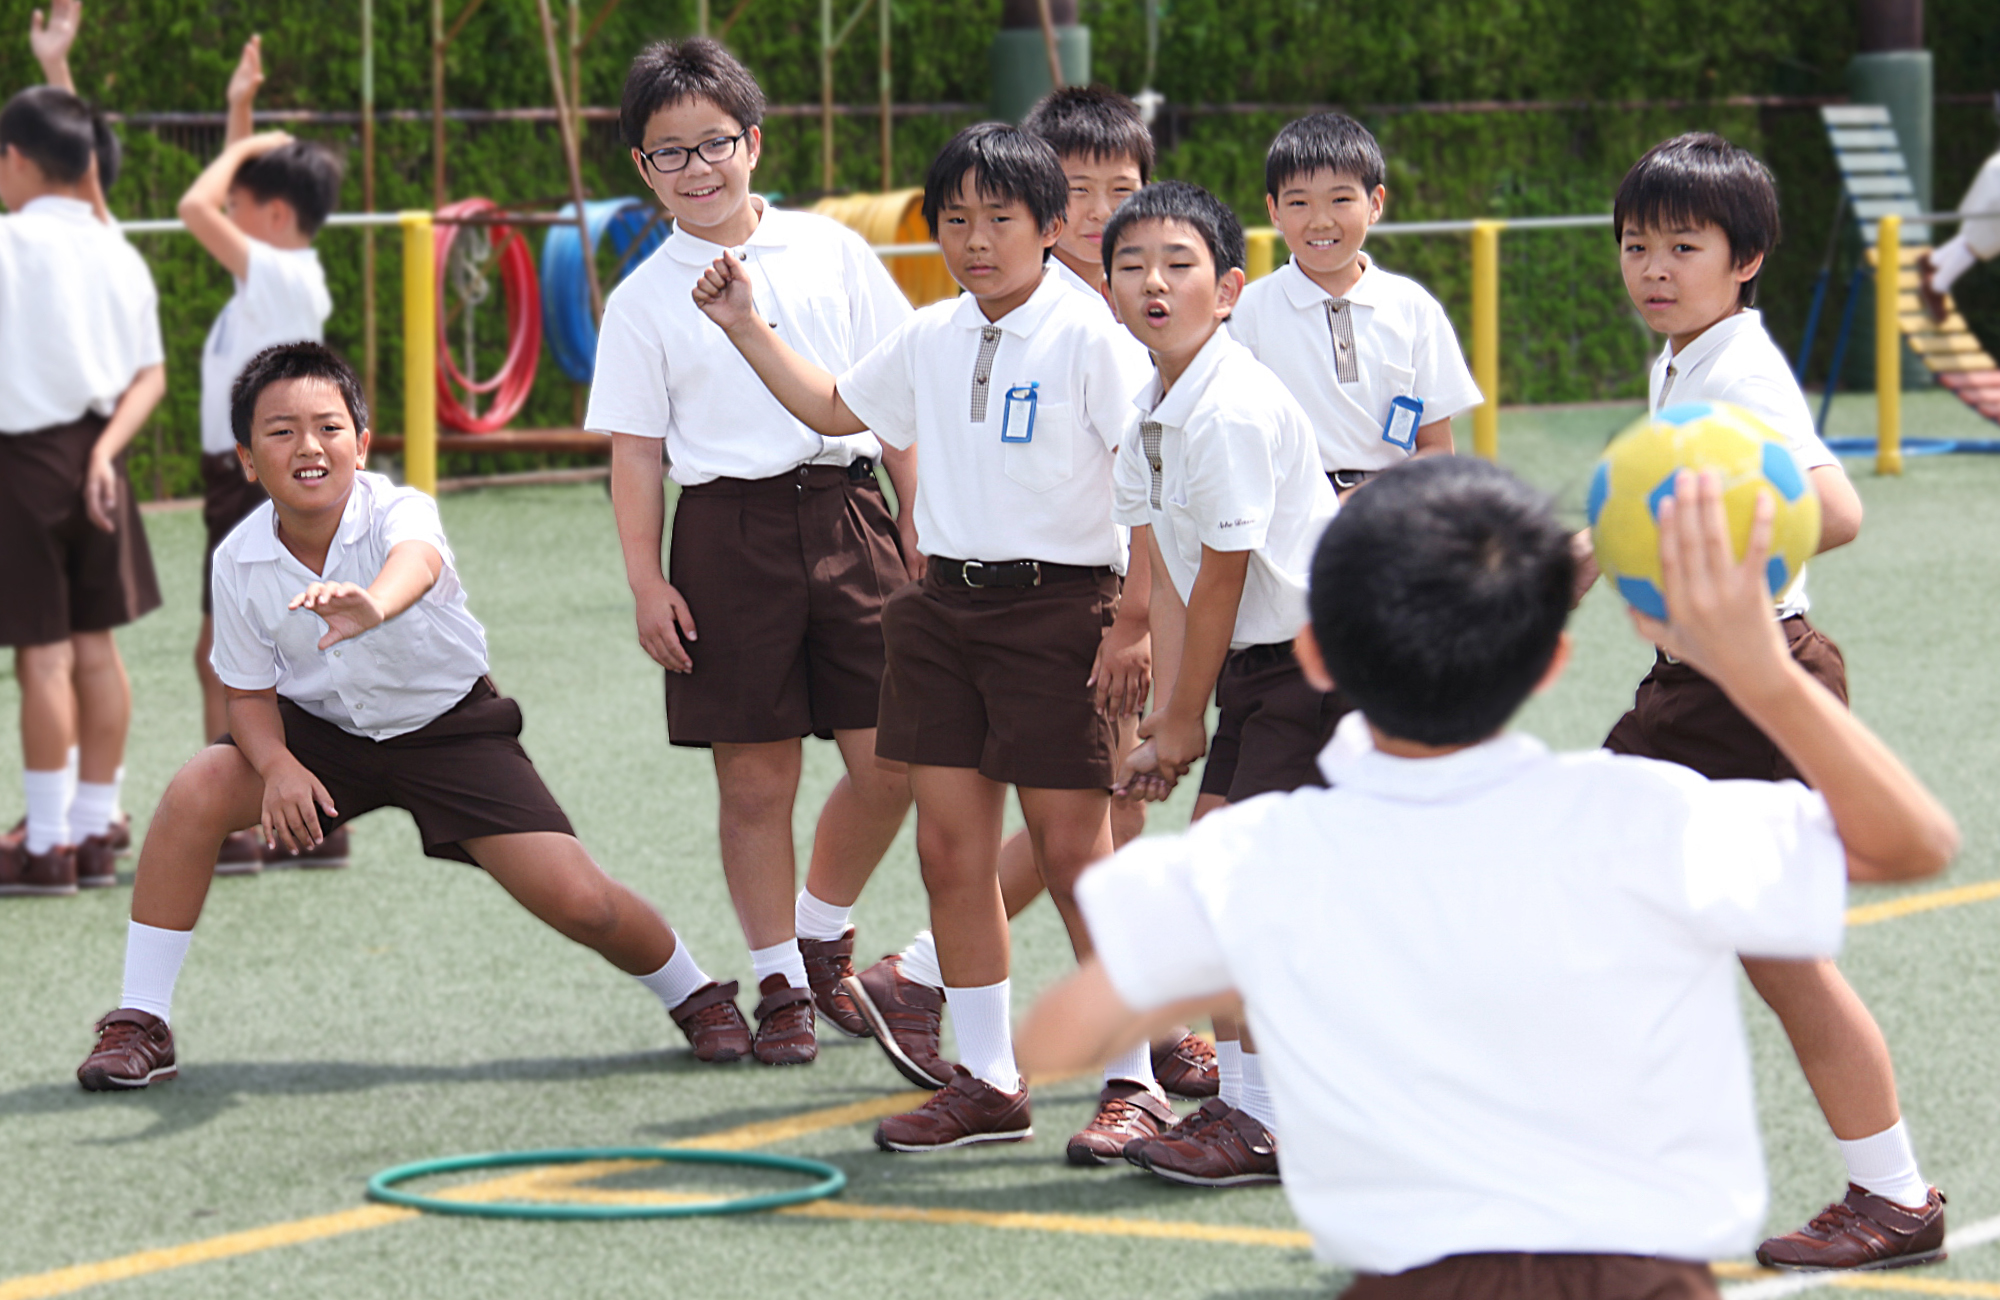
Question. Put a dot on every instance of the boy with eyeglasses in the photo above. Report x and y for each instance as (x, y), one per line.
(769, 620)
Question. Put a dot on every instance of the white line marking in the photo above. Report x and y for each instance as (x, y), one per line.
(1974, 1234)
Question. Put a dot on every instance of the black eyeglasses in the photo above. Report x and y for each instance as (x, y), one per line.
(673, 158)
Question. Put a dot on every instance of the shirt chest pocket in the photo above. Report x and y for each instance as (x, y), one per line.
(1396, 381)
(1036, 439)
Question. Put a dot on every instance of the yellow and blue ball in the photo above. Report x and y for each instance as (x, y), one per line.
(1636, 473)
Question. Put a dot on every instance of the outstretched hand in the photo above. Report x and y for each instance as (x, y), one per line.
(1719, 616)
(51, 38)
(249, 74)
(349, 610)
(723, 294)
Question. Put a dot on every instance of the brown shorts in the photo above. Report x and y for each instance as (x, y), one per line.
(786, 578)
(59, 573)
(462, 775)
(1272, 728)
(996, 678)
(227, 498)
(1541, 1277)
(1682, 717)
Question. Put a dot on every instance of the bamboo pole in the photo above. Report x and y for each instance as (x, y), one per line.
(826, 94)
(368, 318)
(438, 198)
(1049, 43)
(571, 155)
(888, 106)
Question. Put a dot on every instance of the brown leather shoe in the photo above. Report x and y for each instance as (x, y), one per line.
(36, 875)
(1126, 1112)
(830, 962)
(1186, 1068)
(134, 1048)
(1863, 1231)
(784, 1024)
(96, 863)
(242, 854)
(120, 834)
(329, 854)
(965, 1111)
(905, 1017)
(1186, 1127)
(1230, 1150)
(715, 1029)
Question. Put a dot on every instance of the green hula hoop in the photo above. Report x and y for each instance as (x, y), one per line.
(382, 1187)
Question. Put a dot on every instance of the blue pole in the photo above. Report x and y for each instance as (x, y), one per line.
(1840, 343)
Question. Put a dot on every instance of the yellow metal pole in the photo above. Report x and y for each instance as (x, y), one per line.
(1261, 252)
(419, 353)
(1888, 347)
(1486, 337)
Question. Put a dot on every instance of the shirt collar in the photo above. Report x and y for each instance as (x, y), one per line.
(61, 207)
(1713, 338)
(1306, 294)
(1023, 320)
(262, 544)
(1059, 270)
(693, 250)
(1178, 405)
(1350, 761)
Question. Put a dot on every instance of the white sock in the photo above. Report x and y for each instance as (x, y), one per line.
(814, 919)
(920, 961)
(1887, 1166)
(1256, 1101)
(1229, 1071)
(91, 809)
(1134, 1065)
(675, 982)
(153, 960)
(48, 809)
(980, 1020)
(118, 780)
(780, 959)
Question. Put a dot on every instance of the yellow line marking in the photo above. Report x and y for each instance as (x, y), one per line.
(1089, 1225)
(1910, 904)
(1909, 1285)
(1738, 1269)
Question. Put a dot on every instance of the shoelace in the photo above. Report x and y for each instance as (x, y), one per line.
(1836, 1219)
(716, 1015)
(119, 1036)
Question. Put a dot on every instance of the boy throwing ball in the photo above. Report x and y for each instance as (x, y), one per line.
(357, 680)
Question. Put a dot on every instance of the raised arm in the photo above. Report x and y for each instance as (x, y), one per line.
(410, 569)
(1719, 620)
(242, 92)
(809, 393)
(203, 206)
(51, 39)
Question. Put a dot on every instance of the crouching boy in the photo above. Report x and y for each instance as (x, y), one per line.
(1535, 1080)
(357, 680)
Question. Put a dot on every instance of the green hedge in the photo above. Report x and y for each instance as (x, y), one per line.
(1568, 333)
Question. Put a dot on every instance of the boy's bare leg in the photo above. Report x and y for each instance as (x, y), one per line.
(1840, 1047)
(214, 793)
(1070, 829)
(551, 875)
(958, 847)
(1021, 874)
(103, 706)
(858, 823)
(214, 700)
(758, 785)
(48, 705)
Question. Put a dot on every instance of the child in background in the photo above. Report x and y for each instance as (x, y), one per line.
(1368, 353)
(255, 209)
(1219, 478)
(1695, 218)
(357, 680)
(1017, 392)
(80, 331)
(1533, 1081)
(769, 625)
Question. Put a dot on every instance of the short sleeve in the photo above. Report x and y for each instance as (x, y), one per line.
(411, 516)
(1116, 366)
(143, 318)
(244, 656)
(880, 389)
(628, 392)
(1780, 404)
(1763, 870)
(1443, 380)
(1128, 901)
(878, 302)
(1232, 483)
(1131, 479)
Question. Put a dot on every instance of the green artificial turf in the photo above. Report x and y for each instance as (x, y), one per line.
(333, 1024)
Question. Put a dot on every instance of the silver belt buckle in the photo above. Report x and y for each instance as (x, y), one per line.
(965, 573)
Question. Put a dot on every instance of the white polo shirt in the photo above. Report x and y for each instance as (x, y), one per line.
(1018, 419)
(1495, 993)
(1347, 359)
(1734, 360)
(389, 680)
(1059, 269)
(79, 316)
(1238, 470)
(665, 370)
(282, 298)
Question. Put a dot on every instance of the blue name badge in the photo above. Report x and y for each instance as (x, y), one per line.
(1017, 417)
(1400, 429)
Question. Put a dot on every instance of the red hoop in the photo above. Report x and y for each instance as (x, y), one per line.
(514, 380)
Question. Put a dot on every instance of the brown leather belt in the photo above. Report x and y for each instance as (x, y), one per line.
(981, 574)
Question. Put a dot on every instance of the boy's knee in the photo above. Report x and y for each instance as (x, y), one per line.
(208, 787)
(42, 666)
(590, 911)
(95, 651)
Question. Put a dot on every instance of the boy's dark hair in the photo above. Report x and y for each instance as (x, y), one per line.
(1331, 142)
(1005, 163)
(1700, 179)
(293, 361)
(1092, 122)
(58, 133)
(1190, 205)
(1439, 593)
(666, 73)
(304, 173)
